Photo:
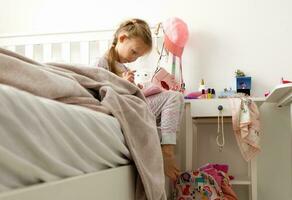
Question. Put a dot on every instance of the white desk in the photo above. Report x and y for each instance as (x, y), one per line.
(204, 111)
(281, 95)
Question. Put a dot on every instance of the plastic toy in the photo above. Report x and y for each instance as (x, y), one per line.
(285, 81)
(193, 95)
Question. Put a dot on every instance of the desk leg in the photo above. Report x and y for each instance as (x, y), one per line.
(195, 146)
(188, 137)
(291, 141)
(253, 178)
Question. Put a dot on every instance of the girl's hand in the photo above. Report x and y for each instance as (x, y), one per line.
(170, 167)
(129, 76)
(140, 86)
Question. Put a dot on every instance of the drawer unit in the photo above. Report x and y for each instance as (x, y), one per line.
(205, 112)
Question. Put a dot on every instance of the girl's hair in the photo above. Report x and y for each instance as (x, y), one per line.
(133, 28)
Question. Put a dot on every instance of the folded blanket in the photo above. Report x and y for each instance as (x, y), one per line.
(71, 84)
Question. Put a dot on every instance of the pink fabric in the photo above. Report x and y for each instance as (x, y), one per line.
(213, 170)
(219, 173)
(151, 90)
(176, 35)
(221, 167)
(246, 132)
(193, 95)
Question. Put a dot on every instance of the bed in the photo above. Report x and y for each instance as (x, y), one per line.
(114, 177)
(80, 127)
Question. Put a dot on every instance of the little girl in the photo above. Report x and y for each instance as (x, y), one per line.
(132, 40)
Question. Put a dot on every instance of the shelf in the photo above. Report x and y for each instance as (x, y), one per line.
(240, 182)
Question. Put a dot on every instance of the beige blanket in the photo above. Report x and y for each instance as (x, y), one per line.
(115, 96)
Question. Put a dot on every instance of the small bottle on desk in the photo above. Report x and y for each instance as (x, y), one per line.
(209, 95)
(203, 96)
(213, 94)
(202, 85)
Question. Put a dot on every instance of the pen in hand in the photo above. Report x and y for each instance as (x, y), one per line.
(129, 75)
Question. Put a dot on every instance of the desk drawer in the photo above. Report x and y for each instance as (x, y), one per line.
(209, 107)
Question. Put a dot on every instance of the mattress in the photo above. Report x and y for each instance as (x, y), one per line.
(44, 140)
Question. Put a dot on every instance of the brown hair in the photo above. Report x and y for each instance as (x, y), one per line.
(134, 28)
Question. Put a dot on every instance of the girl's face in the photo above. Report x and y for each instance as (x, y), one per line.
(129, 49)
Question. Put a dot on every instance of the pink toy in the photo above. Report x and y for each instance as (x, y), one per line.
(267, 94)
(193, 95)
(165, 80)
(285, 81)
(176, 35)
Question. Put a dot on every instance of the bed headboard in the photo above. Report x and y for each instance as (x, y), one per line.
(72, 47)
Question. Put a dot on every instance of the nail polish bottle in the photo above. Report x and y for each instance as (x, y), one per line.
(213, 93)
(202, 85)
(203, 96)
(209, 93)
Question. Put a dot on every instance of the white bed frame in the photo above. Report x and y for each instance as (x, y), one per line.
(116, 183)
(78, 47)
(85, 48)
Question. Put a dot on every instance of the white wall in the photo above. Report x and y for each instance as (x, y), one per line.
(43, 16)
(252, 35)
